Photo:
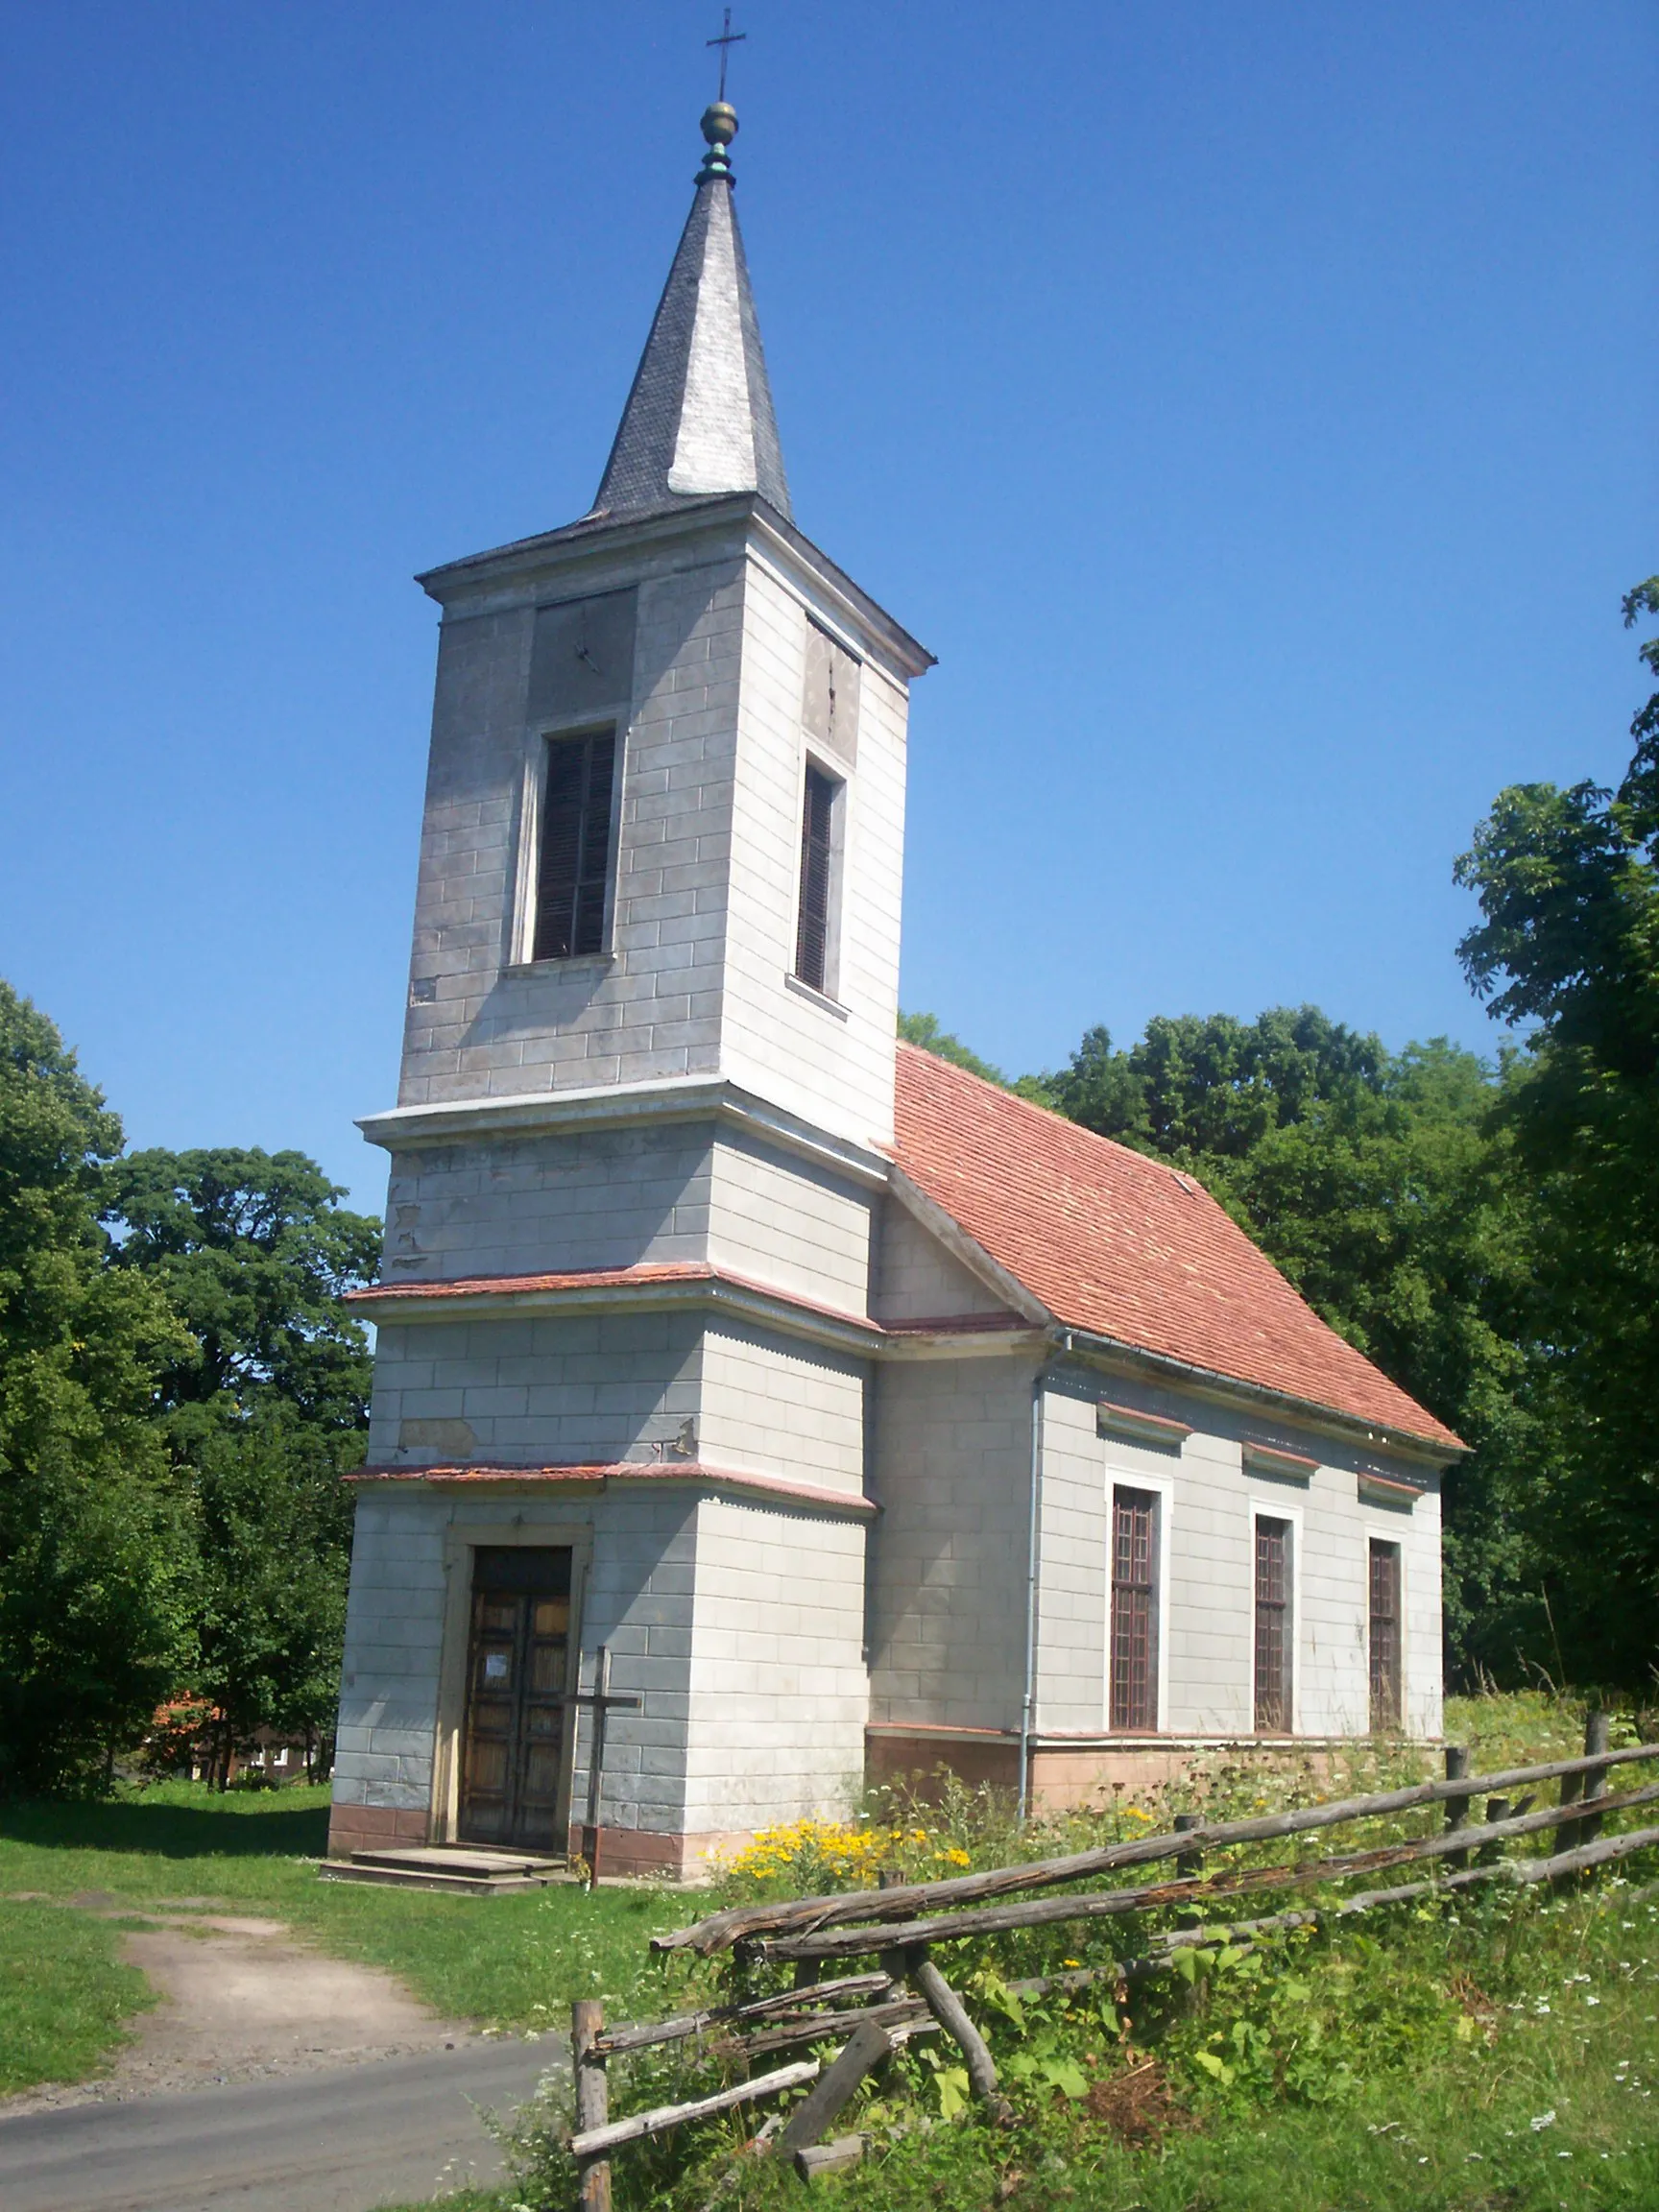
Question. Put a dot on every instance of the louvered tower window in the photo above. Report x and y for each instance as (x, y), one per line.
(817, 833)
(573, 874)
(1273, 1629)
(1133, 1609)
(1385, 1638)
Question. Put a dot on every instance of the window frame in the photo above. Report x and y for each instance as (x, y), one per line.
(1135, 1484)
(1287, 1517)
(822, 764)
(1372, 1545)
(538, 767)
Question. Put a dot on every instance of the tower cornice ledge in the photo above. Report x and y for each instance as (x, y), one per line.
(612, 1105)
(562, 560)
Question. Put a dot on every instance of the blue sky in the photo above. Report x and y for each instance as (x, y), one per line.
(1252, 407)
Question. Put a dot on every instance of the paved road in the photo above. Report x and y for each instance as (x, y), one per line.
(345, 2140)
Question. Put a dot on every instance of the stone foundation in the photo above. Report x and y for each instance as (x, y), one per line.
(1066, 1777)
(375, 1828)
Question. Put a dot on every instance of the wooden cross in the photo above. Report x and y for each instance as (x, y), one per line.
(726, 40)
(600, 1701)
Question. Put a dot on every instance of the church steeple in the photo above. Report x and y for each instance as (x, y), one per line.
(699, 419)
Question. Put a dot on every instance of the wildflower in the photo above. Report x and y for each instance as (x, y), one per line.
(1078, 1962)
(1541, 2120)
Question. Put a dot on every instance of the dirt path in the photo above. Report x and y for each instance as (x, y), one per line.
(242, 2002)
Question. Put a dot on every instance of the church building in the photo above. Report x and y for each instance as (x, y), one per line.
(867, 1417)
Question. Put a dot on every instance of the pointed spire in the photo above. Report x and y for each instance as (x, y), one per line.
(699, 419)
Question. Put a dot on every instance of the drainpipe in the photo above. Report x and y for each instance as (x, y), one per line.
(1028, 1702)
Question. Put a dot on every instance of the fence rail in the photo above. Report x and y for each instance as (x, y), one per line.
(908, 1994)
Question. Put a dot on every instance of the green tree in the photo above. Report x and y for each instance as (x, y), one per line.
(95, 1556)
(923, 1029)
(264, 1410)
(1567, 947)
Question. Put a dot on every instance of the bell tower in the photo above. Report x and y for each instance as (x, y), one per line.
(644, 1125)
(664, 813)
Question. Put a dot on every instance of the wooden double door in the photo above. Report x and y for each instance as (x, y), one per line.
(518, 1668)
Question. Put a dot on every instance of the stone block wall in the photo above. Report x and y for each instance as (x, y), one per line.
(479, 1025)
(833, 1065)
(948, 1582)
(778, 1695)
(1209, 1501)
(917, 1280)
(533, 1391)
(548, 1203)
(778, 1406)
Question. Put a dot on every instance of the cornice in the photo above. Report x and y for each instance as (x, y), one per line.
(671, 1098)
(688, 1474)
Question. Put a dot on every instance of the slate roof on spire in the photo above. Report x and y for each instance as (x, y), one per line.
(699, 419)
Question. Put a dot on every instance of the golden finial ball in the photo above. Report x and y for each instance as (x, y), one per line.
(719, 124)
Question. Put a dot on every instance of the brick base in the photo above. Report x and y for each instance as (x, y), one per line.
(921, 1763)
(1064, 1778)
(375, 1828)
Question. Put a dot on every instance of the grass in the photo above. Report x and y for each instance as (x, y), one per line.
(64, 1995)
(510, 1962)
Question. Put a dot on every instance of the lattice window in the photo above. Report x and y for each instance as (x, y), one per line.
(817, 830)
(1385, 1638)
(1133, 1609)
(1273, 1627)
(573, 874)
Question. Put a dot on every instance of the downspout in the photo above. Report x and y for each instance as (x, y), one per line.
(1028, 1702)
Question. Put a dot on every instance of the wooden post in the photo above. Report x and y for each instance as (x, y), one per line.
(1189, 1864)
(1497, 1809)
(1457, 1808)
(863, 2050)
(951, 2014)
(592, 2100)
(596, 1765)
(1596, 1728)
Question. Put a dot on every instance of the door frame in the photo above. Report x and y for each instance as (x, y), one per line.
(462, 1539)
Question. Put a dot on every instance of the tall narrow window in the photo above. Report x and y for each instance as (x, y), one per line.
(812, 928)
(1274, 1627)
(1385, 1638)
(572, 876)
(1133, 1609)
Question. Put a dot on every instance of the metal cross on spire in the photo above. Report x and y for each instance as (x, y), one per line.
(726, 40)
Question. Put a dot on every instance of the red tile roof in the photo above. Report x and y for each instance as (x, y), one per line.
(1119, 1245)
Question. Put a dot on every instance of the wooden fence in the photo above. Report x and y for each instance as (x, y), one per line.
(906, 1994)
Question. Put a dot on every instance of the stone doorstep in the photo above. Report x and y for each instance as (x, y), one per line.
(469, 1873)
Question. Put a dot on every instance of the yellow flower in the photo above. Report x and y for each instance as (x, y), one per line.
(1071, 1961)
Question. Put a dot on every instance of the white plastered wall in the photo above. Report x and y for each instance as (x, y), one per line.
(773, 1404)
(533, 1391)
(779, 1692)
(948, 1582)
(833, 1068)
(785, 1221)
(917, 1280)
(1207, 1535)
(543, 1204)
(479, 1028)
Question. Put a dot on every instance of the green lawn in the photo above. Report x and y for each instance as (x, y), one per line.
(64, 1995)
(513, 1962)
